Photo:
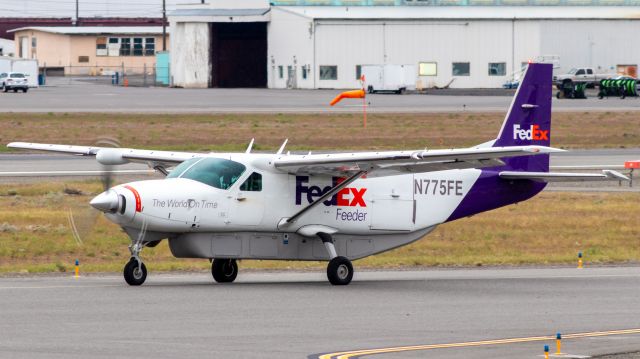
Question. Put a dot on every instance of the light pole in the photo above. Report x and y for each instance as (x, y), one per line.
(164, 25)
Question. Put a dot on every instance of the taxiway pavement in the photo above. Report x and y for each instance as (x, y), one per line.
(87, 97)
(300, 315)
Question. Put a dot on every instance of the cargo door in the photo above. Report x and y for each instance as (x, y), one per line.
(392, 214)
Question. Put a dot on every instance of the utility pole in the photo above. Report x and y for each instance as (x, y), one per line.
(77, 12)
(164, 25)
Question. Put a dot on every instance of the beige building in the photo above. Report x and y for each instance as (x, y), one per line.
(95, 50)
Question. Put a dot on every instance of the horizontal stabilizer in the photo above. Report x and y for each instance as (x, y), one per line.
(606, 175)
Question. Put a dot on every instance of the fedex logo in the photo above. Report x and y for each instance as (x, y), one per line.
(533, 133)
(348, 196)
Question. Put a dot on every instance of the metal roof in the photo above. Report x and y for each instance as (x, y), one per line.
(463, 13)
(96, 30)
(219, 12)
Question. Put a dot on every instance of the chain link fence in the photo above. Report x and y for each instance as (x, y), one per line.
(143, 76)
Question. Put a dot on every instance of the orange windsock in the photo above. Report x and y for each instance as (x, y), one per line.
(348, 94)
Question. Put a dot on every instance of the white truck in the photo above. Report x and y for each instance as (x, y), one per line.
(581, 74)
(28, 67)
(389, 78)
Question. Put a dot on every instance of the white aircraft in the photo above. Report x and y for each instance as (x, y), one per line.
(337, 207)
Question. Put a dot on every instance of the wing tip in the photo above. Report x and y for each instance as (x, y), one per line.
(15, 144)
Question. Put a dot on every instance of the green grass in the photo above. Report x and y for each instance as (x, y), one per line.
(225, 132)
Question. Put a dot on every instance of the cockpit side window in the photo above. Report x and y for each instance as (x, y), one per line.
(215, 172)
(253, 183)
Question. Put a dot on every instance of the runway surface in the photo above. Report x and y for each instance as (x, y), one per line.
(300, 315)
(87, 97)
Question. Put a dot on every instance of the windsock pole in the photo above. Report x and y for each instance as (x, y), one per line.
(364, 102)
(354, 94)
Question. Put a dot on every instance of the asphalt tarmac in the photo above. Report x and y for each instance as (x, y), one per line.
(460, 313)
(67, 95)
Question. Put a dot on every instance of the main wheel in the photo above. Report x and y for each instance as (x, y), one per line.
(224, 270)
(340, 271)
(134, 274)
(25, 90)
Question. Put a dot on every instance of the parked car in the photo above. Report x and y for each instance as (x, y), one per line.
(14, 81)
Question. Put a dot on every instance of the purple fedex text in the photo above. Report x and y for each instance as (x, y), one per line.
(348, 196)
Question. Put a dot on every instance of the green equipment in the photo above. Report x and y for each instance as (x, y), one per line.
(570, 89)
(620, 87)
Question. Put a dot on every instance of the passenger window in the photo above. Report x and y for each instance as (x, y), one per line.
(580, 72)
(253, 183)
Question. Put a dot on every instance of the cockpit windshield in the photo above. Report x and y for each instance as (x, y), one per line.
(215, 172)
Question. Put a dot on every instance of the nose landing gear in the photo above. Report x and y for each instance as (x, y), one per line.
(135, 272)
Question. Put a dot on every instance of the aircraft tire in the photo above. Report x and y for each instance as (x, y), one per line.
(340, 271)
(224, 270)
(133, 275)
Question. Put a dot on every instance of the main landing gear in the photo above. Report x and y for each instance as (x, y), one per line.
(339, 270)
(135, 272)
(224, 270)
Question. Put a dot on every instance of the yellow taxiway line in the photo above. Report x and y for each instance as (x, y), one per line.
(359, 353)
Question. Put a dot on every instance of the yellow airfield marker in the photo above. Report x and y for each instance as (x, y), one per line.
(558, 344)
(77, 269)
(579, 260)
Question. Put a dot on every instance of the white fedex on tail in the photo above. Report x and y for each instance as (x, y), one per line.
(336, 207)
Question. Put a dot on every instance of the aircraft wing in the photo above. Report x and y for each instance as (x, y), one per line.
(387, 163)
(112, 156)
(606, 175)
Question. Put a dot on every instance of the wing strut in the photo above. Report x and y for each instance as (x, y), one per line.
(337, 188)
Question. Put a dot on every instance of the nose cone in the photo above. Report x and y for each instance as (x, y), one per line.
(105, 201)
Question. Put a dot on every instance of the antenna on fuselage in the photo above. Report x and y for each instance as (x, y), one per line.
(281, 149)
(250, 146)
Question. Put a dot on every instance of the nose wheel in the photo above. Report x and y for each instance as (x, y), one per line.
(135, 272)
(224, 270)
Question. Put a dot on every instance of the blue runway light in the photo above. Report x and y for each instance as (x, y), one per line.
(558, 336)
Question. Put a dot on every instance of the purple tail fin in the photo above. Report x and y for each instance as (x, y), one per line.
(528, 121)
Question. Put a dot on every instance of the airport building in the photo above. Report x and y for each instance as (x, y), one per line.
(460, 43)
(89, 50)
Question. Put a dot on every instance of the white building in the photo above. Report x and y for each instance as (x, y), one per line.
(7, 47)
(262, 45)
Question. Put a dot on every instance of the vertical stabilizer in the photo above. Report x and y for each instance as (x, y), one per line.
(528, 121)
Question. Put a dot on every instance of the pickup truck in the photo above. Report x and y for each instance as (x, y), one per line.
(581, 74)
